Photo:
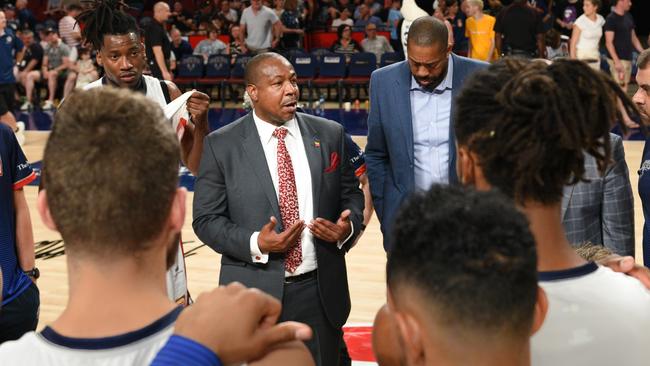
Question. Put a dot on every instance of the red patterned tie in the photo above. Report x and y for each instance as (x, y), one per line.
(288, 198)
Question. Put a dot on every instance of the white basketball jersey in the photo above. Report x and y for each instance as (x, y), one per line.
(595, 317)
(176, 276)
(51, 349)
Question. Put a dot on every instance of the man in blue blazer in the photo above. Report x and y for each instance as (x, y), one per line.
(410, 122)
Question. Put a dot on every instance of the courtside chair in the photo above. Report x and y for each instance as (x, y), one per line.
(190, 70)
(305, 66)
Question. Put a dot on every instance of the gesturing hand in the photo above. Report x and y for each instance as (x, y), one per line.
(326, 230)
(271, 242)
(244, 327)
(627, 265)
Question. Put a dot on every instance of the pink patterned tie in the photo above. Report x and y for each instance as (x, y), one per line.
(288, 198)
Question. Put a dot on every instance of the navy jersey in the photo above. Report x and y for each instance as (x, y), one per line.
(644, 193)
(356, 156)
(10, 45)
(15, 173)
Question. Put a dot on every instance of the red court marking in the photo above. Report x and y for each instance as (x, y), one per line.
(359, 341)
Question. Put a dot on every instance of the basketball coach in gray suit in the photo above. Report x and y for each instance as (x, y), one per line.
(277, 197)
(601, 211)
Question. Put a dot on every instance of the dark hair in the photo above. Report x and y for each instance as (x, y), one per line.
(531, 123)
(643, 60)
(341, 28)
(596, 3)
(428, 31)
(471, 256)
(105, 200)
(105, 17)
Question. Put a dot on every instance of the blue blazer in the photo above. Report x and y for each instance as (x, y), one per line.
(389, 151)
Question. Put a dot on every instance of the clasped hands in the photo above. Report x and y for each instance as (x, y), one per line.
(269, 241)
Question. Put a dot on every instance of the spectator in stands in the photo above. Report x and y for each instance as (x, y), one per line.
(157, 43)
(211, 46)
(519, 32)
(621, 40)
(226, 16)
(29, 70)
(237, 46)
(278, 7)
(554, 47)
(181, 19)
(344, 43)
(456, 245)
(394, 17)
(457, 20)
(85, 69)
(10, 18)
(291, 26)
(365, 17)
(180, 47)
(260, 28)
(373, 8)
(374, 43)
(343, 18)
(480, 31)
(566, 12)
(11, 53)
(26, 19)
(586, 34)
(494, 7)
(69, 29)
(56, 62)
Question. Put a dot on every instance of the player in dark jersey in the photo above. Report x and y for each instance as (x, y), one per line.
(115, 36)
(20, 297)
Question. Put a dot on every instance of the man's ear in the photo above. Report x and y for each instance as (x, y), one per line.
(44, 210)
(177, 211)
(465, 166)
(252, 92)
(410, 332)
(541, 308)
(99, 59)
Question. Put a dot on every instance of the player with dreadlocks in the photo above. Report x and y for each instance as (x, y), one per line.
(115, 36)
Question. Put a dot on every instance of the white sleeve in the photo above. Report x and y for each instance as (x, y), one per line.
(256, 254)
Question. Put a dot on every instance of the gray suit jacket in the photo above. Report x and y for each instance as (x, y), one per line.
(234, 197)
(601, 211)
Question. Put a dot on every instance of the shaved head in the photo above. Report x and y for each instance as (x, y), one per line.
(255, 66)
(160, 6)
(428, 31)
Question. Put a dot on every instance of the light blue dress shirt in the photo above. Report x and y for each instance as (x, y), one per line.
(430, 114)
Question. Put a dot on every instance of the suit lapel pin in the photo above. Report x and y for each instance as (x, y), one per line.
(316, 142)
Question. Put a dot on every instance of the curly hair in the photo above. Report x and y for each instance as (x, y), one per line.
(530, 124)
(105, 17)
(457, 245)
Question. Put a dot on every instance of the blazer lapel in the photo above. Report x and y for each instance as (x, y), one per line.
(403, 104)
(311, 140)
(257, 160)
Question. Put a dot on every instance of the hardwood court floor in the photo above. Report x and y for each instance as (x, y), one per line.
(365, 262)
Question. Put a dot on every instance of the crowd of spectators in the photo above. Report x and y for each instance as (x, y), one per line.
(480, 29)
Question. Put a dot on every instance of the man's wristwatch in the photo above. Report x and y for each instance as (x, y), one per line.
(33, 273)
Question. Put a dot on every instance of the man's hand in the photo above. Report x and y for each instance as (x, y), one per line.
(238, 324)
(326, 230)
(620, 70)
(198, 105)
(627, 265)
(271, 242)
(167, 76)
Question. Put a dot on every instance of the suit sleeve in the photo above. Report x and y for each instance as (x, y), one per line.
(212, 222)
(376, 150)
(351, 194)
(618, 204)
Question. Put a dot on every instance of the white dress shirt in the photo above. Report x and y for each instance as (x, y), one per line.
(431, 113)
(301, 171)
